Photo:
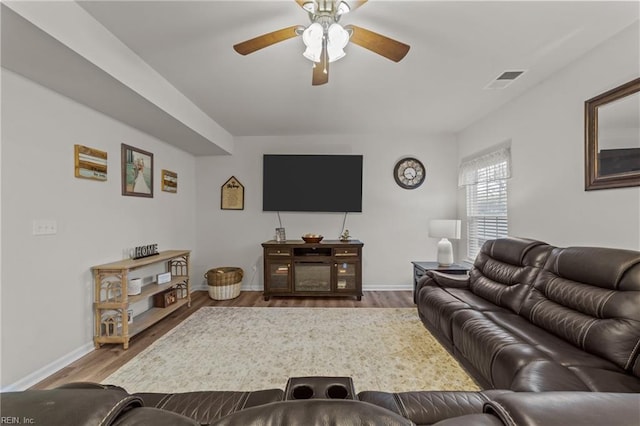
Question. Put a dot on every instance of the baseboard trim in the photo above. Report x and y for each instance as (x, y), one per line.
(49, 369)
(365, 287)
(386, 287)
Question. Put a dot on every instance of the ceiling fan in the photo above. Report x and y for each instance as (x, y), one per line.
(325, 38)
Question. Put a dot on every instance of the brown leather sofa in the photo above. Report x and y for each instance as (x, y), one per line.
(84, 404)
(533, 317)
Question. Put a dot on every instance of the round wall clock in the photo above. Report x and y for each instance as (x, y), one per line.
(409, 173)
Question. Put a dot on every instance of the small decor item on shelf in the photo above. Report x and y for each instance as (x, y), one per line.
(134, 287)
(163, 278)
(144, 251)
(166, 298)
(312, 238)
(280, 235)
(224, 283)
(110, 324)
(344, 237)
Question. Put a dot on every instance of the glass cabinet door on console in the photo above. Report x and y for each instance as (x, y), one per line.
(279, 275)
(346, 275)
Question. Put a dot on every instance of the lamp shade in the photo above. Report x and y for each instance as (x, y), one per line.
(445, 228)
(312, 38)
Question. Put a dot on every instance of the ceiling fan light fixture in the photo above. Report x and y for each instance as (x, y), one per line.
(312, 55)
(335, 53)
(312, 39)
(310, 6)
(338, 38)
(342, 8)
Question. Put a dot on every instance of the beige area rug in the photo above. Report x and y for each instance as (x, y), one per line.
(219, 348)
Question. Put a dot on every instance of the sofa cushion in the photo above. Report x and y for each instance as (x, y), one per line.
(552, 346)
(437, 306)
(511, 353)
(478, 340)
(504, 269)
(590, 297)
(605, 380)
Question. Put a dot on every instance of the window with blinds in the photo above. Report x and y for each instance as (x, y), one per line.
(486, 183)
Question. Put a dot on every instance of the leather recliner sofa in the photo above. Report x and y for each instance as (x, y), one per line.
(533, 317)
(84, 404)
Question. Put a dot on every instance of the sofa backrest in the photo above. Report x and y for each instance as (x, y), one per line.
(505, 268)
(590, 296)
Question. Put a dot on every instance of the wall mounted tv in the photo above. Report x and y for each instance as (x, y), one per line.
(312, 183)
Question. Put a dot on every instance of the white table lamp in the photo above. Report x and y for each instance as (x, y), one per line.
(445, 229)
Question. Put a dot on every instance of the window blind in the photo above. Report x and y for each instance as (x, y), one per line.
(486, 200)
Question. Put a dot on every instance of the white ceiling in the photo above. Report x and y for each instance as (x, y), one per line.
(457, 48)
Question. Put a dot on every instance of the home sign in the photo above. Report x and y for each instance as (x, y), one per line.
(145, 251)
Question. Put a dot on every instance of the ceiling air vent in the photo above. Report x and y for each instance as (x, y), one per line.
(504, 79)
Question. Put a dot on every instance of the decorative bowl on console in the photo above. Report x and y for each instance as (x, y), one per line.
(312, 238)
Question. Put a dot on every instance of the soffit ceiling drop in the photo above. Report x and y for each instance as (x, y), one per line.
(456, 48)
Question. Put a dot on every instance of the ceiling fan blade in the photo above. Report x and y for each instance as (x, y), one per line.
(377, 43)
(301, 2)
(321, 69)
(266, 40)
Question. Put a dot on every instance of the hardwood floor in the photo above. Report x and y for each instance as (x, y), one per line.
(99, 364)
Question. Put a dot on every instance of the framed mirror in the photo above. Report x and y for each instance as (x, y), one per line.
(612, 138)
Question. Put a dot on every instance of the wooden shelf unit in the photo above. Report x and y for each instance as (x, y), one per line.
(111, 300)
(327, 268)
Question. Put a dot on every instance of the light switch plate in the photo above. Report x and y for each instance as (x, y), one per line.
(45, 227)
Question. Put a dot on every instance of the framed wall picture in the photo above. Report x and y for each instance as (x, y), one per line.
(232, 195)
(169, 181)
(137, 172)
(90, 163)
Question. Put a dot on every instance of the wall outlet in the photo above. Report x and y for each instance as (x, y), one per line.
(45, 227)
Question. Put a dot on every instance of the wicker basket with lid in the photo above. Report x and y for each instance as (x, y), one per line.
(224, 282)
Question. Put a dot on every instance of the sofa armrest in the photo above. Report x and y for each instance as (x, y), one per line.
(70, 407)
(472, 419)
(208, 406)
(449, 280)
(153, 416)
(566, 408)
(90, 385)
(439, 279)
(429, 407)
(314, 412)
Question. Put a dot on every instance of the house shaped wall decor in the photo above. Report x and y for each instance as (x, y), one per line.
(232, 195)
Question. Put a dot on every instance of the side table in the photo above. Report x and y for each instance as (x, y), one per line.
(421, 268)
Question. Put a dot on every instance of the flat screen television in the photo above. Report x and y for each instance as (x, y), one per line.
(312, 183)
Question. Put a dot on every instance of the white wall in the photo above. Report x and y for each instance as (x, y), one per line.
(547, 200)
(393, 224)
(47, 295)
